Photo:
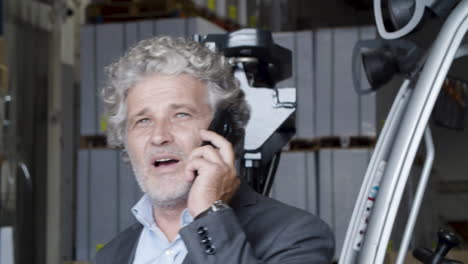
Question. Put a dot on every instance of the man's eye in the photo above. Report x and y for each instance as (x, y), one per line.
(143, 121)
(182, 115)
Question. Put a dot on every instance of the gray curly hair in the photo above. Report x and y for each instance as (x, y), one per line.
(172, 56)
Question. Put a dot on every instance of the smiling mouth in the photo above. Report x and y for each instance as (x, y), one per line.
(165, 162)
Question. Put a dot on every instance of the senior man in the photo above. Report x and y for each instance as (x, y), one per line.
(161, 97)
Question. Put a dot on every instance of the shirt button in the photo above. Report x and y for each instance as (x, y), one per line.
(210, 250)
(206, 240)
(202, 231)
(169, 252)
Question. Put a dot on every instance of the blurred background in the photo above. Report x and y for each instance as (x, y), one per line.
(64, 193)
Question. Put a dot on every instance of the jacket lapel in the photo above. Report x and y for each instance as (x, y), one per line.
(187, 259)
(128, 244)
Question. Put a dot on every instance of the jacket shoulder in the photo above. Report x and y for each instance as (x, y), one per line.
(274, 206)
(296, 224)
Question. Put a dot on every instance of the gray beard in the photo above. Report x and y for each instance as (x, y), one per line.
(166, 204)
(163, 200)
(160, 198)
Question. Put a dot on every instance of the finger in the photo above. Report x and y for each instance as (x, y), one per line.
(207, 152)
(202, 166)
(225, 147)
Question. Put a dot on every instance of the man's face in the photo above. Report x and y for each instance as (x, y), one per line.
(164, 116)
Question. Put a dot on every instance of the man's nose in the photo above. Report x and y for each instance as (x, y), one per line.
(161, 134)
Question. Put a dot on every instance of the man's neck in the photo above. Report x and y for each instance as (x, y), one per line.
(168, 220)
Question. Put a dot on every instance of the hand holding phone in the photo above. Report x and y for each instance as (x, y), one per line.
(212, 170)
(221, 124)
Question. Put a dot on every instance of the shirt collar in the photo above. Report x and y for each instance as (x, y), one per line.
(143, 212)
(186, 218)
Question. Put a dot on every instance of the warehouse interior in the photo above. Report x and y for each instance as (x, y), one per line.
(64, 193)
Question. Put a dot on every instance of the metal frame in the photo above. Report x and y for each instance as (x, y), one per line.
(426, 173)
(396, 149)
(372, 179)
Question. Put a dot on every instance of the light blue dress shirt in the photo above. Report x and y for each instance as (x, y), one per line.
(153, 246)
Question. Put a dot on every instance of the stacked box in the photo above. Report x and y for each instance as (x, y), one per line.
(88, 91)
(345, 112)
(327, 104)
(221, 9)
(340, 174)
(324, 82)
(296, 180)
(6, 245)
(350, 168)
(304, 68)
(339, 110)
(106, 191)
(109, 47)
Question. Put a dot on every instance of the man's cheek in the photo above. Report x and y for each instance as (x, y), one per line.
(191, 138)
(197, 141)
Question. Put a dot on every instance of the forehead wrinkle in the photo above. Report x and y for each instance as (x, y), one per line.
(182, 94)
(138, 113)
(177, 106)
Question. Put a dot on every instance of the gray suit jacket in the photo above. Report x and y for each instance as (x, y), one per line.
(256, 230)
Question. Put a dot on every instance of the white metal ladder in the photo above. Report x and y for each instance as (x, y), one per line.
(383, 185)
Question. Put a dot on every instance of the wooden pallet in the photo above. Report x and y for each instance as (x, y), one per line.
(332, 142)
(91, 142)
(129, 10)
(116, 11)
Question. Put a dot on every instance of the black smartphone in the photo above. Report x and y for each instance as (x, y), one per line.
(222, 125)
